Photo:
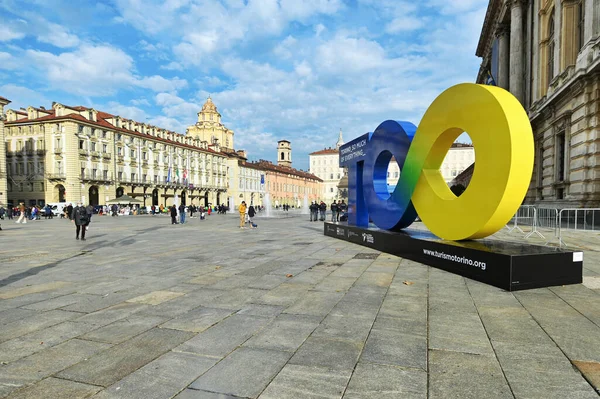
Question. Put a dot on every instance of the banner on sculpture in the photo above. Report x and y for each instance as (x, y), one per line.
(504, 151)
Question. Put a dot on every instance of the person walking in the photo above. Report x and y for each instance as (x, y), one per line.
(242, 211)
(22, 215)
(79, 217)
(182, 214)
(173, 210)
(251, 214)
(89, 210)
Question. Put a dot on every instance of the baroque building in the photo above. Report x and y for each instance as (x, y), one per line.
(3, 174)
(547, 54)
(326, 165)
(74, 153)
(210, 129)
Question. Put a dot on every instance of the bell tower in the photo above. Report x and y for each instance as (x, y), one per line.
(284, 153)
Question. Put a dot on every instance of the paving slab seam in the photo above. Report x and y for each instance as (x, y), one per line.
(555, 343)
(489, 338)
(575, 309)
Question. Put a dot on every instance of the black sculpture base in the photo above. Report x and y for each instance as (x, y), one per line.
(506, 265)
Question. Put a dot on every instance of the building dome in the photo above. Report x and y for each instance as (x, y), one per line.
(209, 106)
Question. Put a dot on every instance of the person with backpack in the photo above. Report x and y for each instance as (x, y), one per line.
(251, 214)
(80, 218)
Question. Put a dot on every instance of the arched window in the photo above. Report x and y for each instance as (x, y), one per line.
(282, 156)
(580, 26)
(550, 63)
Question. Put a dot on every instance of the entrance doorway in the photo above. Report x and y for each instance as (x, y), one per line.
(59, 193)
(155, 197)
(93, 195)
(183, 198)
(120, 192)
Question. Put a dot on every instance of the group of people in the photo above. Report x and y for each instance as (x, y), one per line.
(319, 210)
(178, 213)
(247, 210)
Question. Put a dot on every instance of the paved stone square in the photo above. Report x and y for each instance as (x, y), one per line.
(145, 309)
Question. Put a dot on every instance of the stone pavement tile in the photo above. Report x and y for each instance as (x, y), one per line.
(357, 305)
(161, 378)
(315, 303)
(45, 363)
(267, 282)
(412, 325)
(284, 295)
(239, 375)
(335, 284)
(14, 314)
(236, 298)
(386, 382)
(329, 353)
(110, 315)
(116, 362)
(305, 382)
(262, 270)
(207, 279)
(393, 348)
(60, 302)
(33, 323)
(407, 286)
(465, 376)
(460, 333)
(9, 292)
(198, 320)
(234, 281)
(156, 297)
(55, 388)
(584, 300)
(349, 271)
(185, 303)
(404, 306)
(196, 394)
(257, 309)
(122, 330)
(590, 371)
(28, 299)
(577, 336)
(541, 371)
(224, 337)
(93, 303)
(39, 340)
(512, 324)
(312, 277)
(285, 333)
(353, 329)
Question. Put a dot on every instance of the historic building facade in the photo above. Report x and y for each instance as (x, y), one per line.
(244, 181)
(325, 164)
(210, 129)
(3, 173)
(71, 154)
(547, 54)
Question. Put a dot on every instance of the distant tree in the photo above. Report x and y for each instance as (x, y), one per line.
(458, 189)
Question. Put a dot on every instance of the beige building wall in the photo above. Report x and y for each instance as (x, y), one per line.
(3, 171)
(76, 154)
(556, 77)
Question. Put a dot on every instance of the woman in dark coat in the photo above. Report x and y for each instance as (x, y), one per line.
(79, 217)
(173, 214)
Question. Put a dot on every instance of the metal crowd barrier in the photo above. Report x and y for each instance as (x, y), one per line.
(577, 219)
(525, 216)
(534, 220)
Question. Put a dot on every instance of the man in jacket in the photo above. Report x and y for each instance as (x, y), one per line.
(79, 217)
(251, 213)
(322, 210)
(173, 210)
(242, 211)
(333, 211)
(182, 214)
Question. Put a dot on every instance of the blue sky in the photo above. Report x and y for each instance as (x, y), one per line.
(277, 69)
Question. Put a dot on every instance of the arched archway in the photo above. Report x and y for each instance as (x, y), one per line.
(120, 191)
(184, 197)
(206, 199)
(93, 195)
(59, 193)
(218, 199)
(155, 197)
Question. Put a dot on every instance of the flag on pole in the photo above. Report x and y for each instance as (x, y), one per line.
(169, 175)
(184, 174)
(177, 173)
(489, 80)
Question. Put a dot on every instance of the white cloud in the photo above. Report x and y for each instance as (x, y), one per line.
(22, 96)
(7, 33)
(54, 34)
(97, 71)
(7, 61)
(140, 101)
(173, 66)
(404, 24)
(126, 111)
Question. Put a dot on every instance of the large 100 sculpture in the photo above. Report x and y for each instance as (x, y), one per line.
(501, 134)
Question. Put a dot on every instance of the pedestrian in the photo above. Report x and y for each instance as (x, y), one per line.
(251, 213)
(173, 210)
(89, 210)
(322, 210)
(22, 214)
(80, 218)
(333, 210)
(182, 214)
(9, 212)
(114, 209)
(2, 212)
(242, 211)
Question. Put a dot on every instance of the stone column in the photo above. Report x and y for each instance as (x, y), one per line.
(516, 49)
(502, 32)
(3, 164)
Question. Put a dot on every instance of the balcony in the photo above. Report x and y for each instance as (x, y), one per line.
(106, 155)
(56, 176)
(95, 154)
(83, 152)
(57, 151)
(40, 152)
(98, 177)
(120, 158)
